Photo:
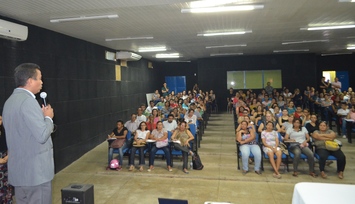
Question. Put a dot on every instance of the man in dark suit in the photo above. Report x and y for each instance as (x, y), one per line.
(28, 129)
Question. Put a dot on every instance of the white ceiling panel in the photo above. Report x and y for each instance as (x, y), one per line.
(279, 21)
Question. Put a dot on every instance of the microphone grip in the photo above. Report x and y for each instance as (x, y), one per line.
(44, 101)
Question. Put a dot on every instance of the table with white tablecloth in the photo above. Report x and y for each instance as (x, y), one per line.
(324, 193)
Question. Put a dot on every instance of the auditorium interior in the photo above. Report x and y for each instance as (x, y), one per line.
(90, 88)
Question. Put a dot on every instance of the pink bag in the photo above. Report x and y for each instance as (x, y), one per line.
(161, 144)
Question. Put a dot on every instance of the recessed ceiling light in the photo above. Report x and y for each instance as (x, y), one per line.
(346, 0)
(329, 27)
(152, 49)
(210, 3)
(351, 47)
(304, 41)
(222, 9)
(83, 18)
(343, 53)
(224, 33)
(225, 54)
(168, 55)
(176, 61)
(299, 50)
(130, 38)
(224, 46)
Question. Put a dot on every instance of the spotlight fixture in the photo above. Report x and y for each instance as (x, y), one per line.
(224, 33)
(129, 38)
(83, 18)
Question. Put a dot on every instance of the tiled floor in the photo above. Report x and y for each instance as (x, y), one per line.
(218, 181)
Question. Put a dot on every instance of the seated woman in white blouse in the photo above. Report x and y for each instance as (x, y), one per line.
(300, 135)
(140, 138)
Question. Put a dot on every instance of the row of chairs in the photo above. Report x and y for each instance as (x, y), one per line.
(285, 157)
(259, 143)
(197, 131)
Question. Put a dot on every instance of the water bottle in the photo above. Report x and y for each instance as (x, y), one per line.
(191, 165)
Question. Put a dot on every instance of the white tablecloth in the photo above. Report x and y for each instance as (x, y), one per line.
(323, 193)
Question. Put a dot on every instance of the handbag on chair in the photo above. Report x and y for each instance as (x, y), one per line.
(118, 143)
(331, 145)
(162, 143)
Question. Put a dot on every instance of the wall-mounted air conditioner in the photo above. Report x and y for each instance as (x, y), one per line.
(13, 31)
(129, 56)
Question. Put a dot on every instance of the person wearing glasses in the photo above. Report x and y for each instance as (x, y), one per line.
(160, 135)
(299, 135)
(140, 138)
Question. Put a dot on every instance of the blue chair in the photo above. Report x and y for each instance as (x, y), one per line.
(128, 138)
(330, 157)
(349, 129)
(303, 156)
(161, 152)
(182, 115)
(173, 151)
(239, 153)
(284, 157)
(126, 150)
(199, 132)
(193, 130)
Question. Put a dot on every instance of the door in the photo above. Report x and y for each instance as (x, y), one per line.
(344, 79)
(176, 83)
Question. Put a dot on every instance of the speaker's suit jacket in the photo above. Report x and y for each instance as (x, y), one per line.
(28, 137)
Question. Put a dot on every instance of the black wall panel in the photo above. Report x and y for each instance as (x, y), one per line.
(337, 63)
(81, 87)
(211, 72)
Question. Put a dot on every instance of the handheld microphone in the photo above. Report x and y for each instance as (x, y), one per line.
(43, 95)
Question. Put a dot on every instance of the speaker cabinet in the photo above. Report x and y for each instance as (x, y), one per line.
(78, 193)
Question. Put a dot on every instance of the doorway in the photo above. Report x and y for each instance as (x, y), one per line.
(343, 77)
(176, 83)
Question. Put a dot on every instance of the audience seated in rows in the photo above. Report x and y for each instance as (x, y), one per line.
(304, 108)
(153, 122)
